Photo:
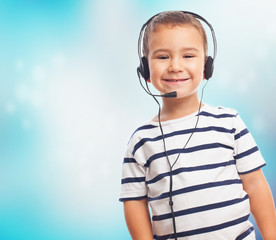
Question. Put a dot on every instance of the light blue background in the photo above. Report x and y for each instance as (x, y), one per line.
(70, 98)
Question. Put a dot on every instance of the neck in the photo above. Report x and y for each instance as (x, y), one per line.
(177, 108)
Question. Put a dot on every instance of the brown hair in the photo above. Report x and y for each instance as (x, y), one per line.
(173, 18)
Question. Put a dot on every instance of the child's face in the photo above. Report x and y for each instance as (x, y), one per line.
(176, 59)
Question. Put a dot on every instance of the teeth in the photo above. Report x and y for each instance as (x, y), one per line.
(170, 80)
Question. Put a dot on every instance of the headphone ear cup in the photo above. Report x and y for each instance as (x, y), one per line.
(144, 68)
(208, 68)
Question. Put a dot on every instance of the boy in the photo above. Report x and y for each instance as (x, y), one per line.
(197, 166)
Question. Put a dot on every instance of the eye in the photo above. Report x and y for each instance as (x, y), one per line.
(188, 56)
(163, 57)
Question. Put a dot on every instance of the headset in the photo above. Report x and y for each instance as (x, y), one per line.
(143, 70)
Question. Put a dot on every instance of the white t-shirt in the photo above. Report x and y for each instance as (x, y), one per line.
(209, 200)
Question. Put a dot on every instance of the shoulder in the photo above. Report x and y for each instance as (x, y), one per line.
(145, 130)
(219, 112)
(220, 116)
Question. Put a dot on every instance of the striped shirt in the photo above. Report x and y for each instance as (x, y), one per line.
(209, 200)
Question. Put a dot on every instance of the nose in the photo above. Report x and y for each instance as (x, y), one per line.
(175, 66)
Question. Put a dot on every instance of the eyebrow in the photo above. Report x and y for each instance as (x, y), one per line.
(182, 49)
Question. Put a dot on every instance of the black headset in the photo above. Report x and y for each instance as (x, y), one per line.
(143, 69)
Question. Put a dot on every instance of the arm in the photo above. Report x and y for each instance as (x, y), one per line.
(261, 203)
(138, 219)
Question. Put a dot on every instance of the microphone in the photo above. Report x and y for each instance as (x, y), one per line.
(170, 94)
(166, 95)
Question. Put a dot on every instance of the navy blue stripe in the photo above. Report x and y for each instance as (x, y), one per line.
(196, 188)
(200, 209)
(132, 198)
(145, 127)
(181, 132)
(245, 234)
(217, 129)
(252, 170)
(225, 115)
(206, 229)
(242, 133)
(246, 153)
(186, 150)
(129, 160)
(190, 169)
(132, 180)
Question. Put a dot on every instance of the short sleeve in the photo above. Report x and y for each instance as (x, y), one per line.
(133, 185)
(246, 153)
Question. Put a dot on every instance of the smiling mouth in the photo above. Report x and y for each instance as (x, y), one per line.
(176, 80)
